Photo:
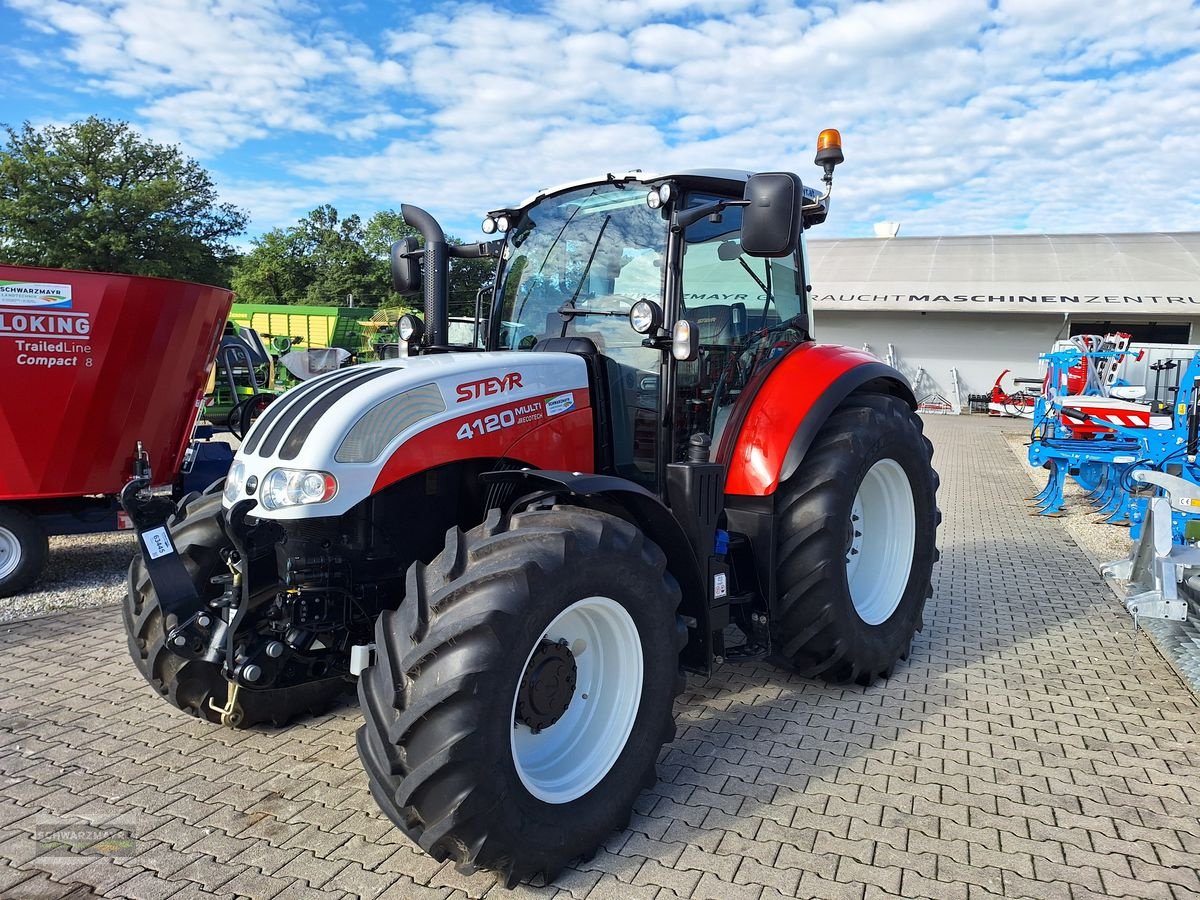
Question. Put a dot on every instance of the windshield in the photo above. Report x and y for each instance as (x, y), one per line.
(576, 262)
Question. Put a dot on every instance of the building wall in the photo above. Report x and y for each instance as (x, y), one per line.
(980, 347)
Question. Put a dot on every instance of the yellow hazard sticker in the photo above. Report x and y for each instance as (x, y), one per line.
(1189, 501)
(1181, 409)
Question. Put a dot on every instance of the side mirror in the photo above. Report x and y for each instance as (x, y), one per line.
(406, 267)
(771, 217)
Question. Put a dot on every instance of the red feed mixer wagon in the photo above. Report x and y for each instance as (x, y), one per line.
(92, 364)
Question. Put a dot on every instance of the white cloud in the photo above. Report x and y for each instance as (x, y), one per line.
(215, 74)
(967, 116)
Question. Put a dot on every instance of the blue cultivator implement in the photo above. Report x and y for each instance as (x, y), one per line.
(1137, 461)
(1090, 425)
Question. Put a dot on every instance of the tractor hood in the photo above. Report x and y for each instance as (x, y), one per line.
(350, 423)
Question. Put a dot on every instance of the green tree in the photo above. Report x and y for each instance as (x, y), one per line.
(324, 259)
(466, 275)
(320, 261)
(96, 195)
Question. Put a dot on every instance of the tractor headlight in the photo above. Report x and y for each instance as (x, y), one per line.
(410, 328)
(296, 487)
(685, 341)
(234, 481)
(645, 316)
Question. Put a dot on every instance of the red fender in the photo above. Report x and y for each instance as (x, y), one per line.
(796, 395)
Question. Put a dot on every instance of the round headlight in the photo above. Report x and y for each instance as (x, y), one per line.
(234, 480)
(654, 200)
(502, 223)
(296, 487)
(489, 225)
(645, 316)
(664, 193)
(410, 328)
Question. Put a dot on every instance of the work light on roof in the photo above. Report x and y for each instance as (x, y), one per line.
(659, 196)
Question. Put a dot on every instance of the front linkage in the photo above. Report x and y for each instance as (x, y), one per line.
(206, 610)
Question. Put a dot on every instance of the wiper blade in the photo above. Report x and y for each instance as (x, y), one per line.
(568, 312)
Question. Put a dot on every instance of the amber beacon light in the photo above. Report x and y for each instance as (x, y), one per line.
(829, 149)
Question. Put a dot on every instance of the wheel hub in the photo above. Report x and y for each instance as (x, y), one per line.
(547, 686)
(10, 552)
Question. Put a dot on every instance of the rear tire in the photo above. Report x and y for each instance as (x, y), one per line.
(856, 532)
(488, 740)
(190, 685)
(24, 548)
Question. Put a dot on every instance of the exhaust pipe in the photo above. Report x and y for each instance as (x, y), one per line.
(437, 274)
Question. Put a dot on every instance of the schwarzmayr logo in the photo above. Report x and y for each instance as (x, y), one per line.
(40, 294)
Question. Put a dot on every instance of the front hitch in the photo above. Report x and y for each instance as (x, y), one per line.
(177, 595)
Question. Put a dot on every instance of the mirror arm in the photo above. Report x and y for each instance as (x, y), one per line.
(475, 251)
(687, 217)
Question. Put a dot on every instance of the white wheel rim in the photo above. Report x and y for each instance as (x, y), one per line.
(883, 537)
(10, 553)
(566, 760)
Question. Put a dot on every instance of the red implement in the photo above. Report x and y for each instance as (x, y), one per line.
(92, 363)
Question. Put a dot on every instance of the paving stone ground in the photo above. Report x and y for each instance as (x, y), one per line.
(1029, 748)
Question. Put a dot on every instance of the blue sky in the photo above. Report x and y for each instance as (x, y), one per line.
(958, 116)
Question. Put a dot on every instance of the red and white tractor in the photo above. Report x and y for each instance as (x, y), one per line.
(651, 469)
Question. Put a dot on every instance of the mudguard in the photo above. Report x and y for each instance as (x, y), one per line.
(790, 405)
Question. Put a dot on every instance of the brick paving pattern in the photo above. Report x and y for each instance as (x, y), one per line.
(1028, 749)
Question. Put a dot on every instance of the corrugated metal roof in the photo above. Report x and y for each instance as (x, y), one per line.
(1130, 259)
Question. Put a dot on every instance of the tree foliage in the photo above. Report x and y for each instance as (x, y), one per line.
(96, 195)
(325, 260)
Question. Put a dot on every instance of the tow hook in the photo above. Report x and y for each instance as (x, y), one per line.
(232, 713)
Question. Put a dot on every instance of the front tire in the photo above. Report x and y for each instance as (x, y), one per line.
(856, 543)
(194, 686)
(522, 692)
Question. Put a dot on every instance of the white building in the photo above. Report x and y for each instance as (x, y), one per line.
(979, 305)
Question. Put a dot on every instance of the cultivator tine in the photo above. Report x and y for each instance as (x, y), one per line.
(1120, 515)
(1044, 494)
(1103, 501)
(1115, 500)
(1052, 504)
(1101, 485)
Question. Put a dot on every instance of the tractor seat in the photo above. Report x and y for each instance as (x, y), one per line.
(720, 324)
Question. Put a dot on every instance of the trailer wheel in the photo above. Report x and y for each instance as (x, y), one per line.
(190, 685)
(23, 550)
(523, 690)
(856, 543)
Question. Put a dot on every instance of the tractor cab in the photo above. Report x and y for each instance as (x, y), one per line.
(603, 269)
(650, 278)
